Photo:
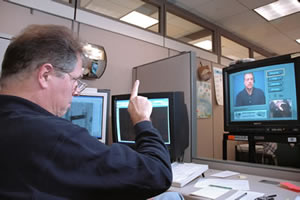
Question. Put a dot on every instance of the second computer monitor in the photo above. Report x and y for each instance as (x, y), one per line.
(90, 111)
(169, 116)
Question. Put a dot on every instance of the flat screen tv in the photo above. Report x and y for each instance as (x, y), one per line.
(90, 111)
(263, 96)
(169, 116)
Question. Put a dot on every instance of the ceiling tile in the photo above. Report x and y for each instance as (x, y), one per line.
(290, 25)
(242, 21)
(281, 45)
(216, 9)
(188, 3)
(251, 4)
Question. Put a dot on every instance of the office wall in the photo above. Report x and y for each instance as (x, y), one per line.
(14, 18)
(210, 130)
(204, 125)
(123, 54)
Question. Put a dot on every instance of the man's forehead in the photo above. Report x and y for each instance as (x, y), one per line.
(249, 75)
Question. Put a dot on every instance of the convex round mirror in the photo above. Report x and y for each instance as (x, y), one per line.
(96, 61)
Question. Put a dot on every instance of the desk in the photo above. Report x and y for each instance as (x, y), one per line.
(253, 138)
(254, 184)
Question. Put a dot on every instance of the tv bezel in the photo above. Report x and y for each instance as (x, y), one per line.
(263, 126)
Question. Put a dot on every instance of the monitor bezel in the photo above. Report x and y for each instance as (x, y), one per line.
(261, 127)
(105, 93)
(169, 95)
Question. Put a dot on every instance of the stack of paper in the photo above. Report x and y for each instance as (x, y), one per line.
(225, 174)
(210, 192)
(223, 183)
(184, 173)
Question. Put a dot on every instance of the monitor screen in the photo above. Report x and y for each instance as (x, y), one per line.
(169, 116)
(262, 96)
(160, 118)
(90, 111)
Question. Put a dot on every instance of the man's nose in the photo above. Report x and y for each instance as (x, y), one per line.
(75, 92)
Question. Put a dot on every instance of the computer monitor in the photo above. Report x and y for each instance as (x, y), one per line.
(90, 110)
(272, 106)
(169, 116)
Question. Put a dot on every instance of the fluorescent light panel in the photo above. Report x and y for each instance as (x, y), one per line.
(206, 44)
(139, 19)
(278, 9)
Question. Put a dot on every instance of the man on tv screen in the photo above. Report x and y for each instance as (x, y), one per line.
(250, 95)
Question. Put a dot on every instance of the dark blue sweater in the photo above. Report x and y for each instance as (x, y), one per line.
(256, 98)
(47, 157)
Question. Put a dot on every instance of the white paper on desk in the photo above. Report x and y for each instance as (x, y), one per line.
(225, 174)
(250, 195)
(210, 192)
(233, 184)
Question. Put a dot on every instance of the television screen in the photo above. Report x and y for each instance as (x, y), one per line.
(262, 96)
(169, 116)
(90, 110)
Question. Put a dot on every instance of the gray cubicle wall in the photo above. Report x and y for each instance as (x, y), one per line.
(176, 73)
(4, 42)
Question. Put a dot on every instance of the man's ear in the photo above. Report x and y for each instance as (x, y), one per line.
(44, 74)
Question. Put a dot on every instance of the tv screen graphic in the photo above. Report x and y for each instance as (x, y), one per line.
(272, 96)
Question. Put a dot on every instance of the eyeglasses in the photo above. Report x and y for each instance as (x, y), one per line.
(80, 84)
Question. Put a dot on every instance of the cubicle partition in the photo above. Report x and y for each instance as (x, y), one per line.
(176, 73)
(4, 42)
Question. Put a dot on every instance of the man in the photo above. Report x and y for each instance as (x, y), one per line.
(44, 156)
(250, 95)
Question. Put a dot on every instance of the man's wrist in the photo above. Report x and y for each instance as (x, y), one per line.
(136, 121)
(142, 125)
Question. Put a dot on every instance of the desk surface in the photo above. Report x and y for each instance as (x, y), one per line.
(254, 184)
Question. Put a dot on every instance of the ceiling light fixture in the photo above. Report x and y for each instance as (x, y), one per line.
(298, 40)
(278, 9)
(139, 19)
(206, 44)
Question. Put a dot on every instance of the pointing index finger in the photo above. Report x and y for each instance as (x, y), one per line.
(134, 91)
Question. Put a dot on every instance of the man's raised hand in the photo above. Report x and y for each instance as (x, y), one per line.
(139, 108)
